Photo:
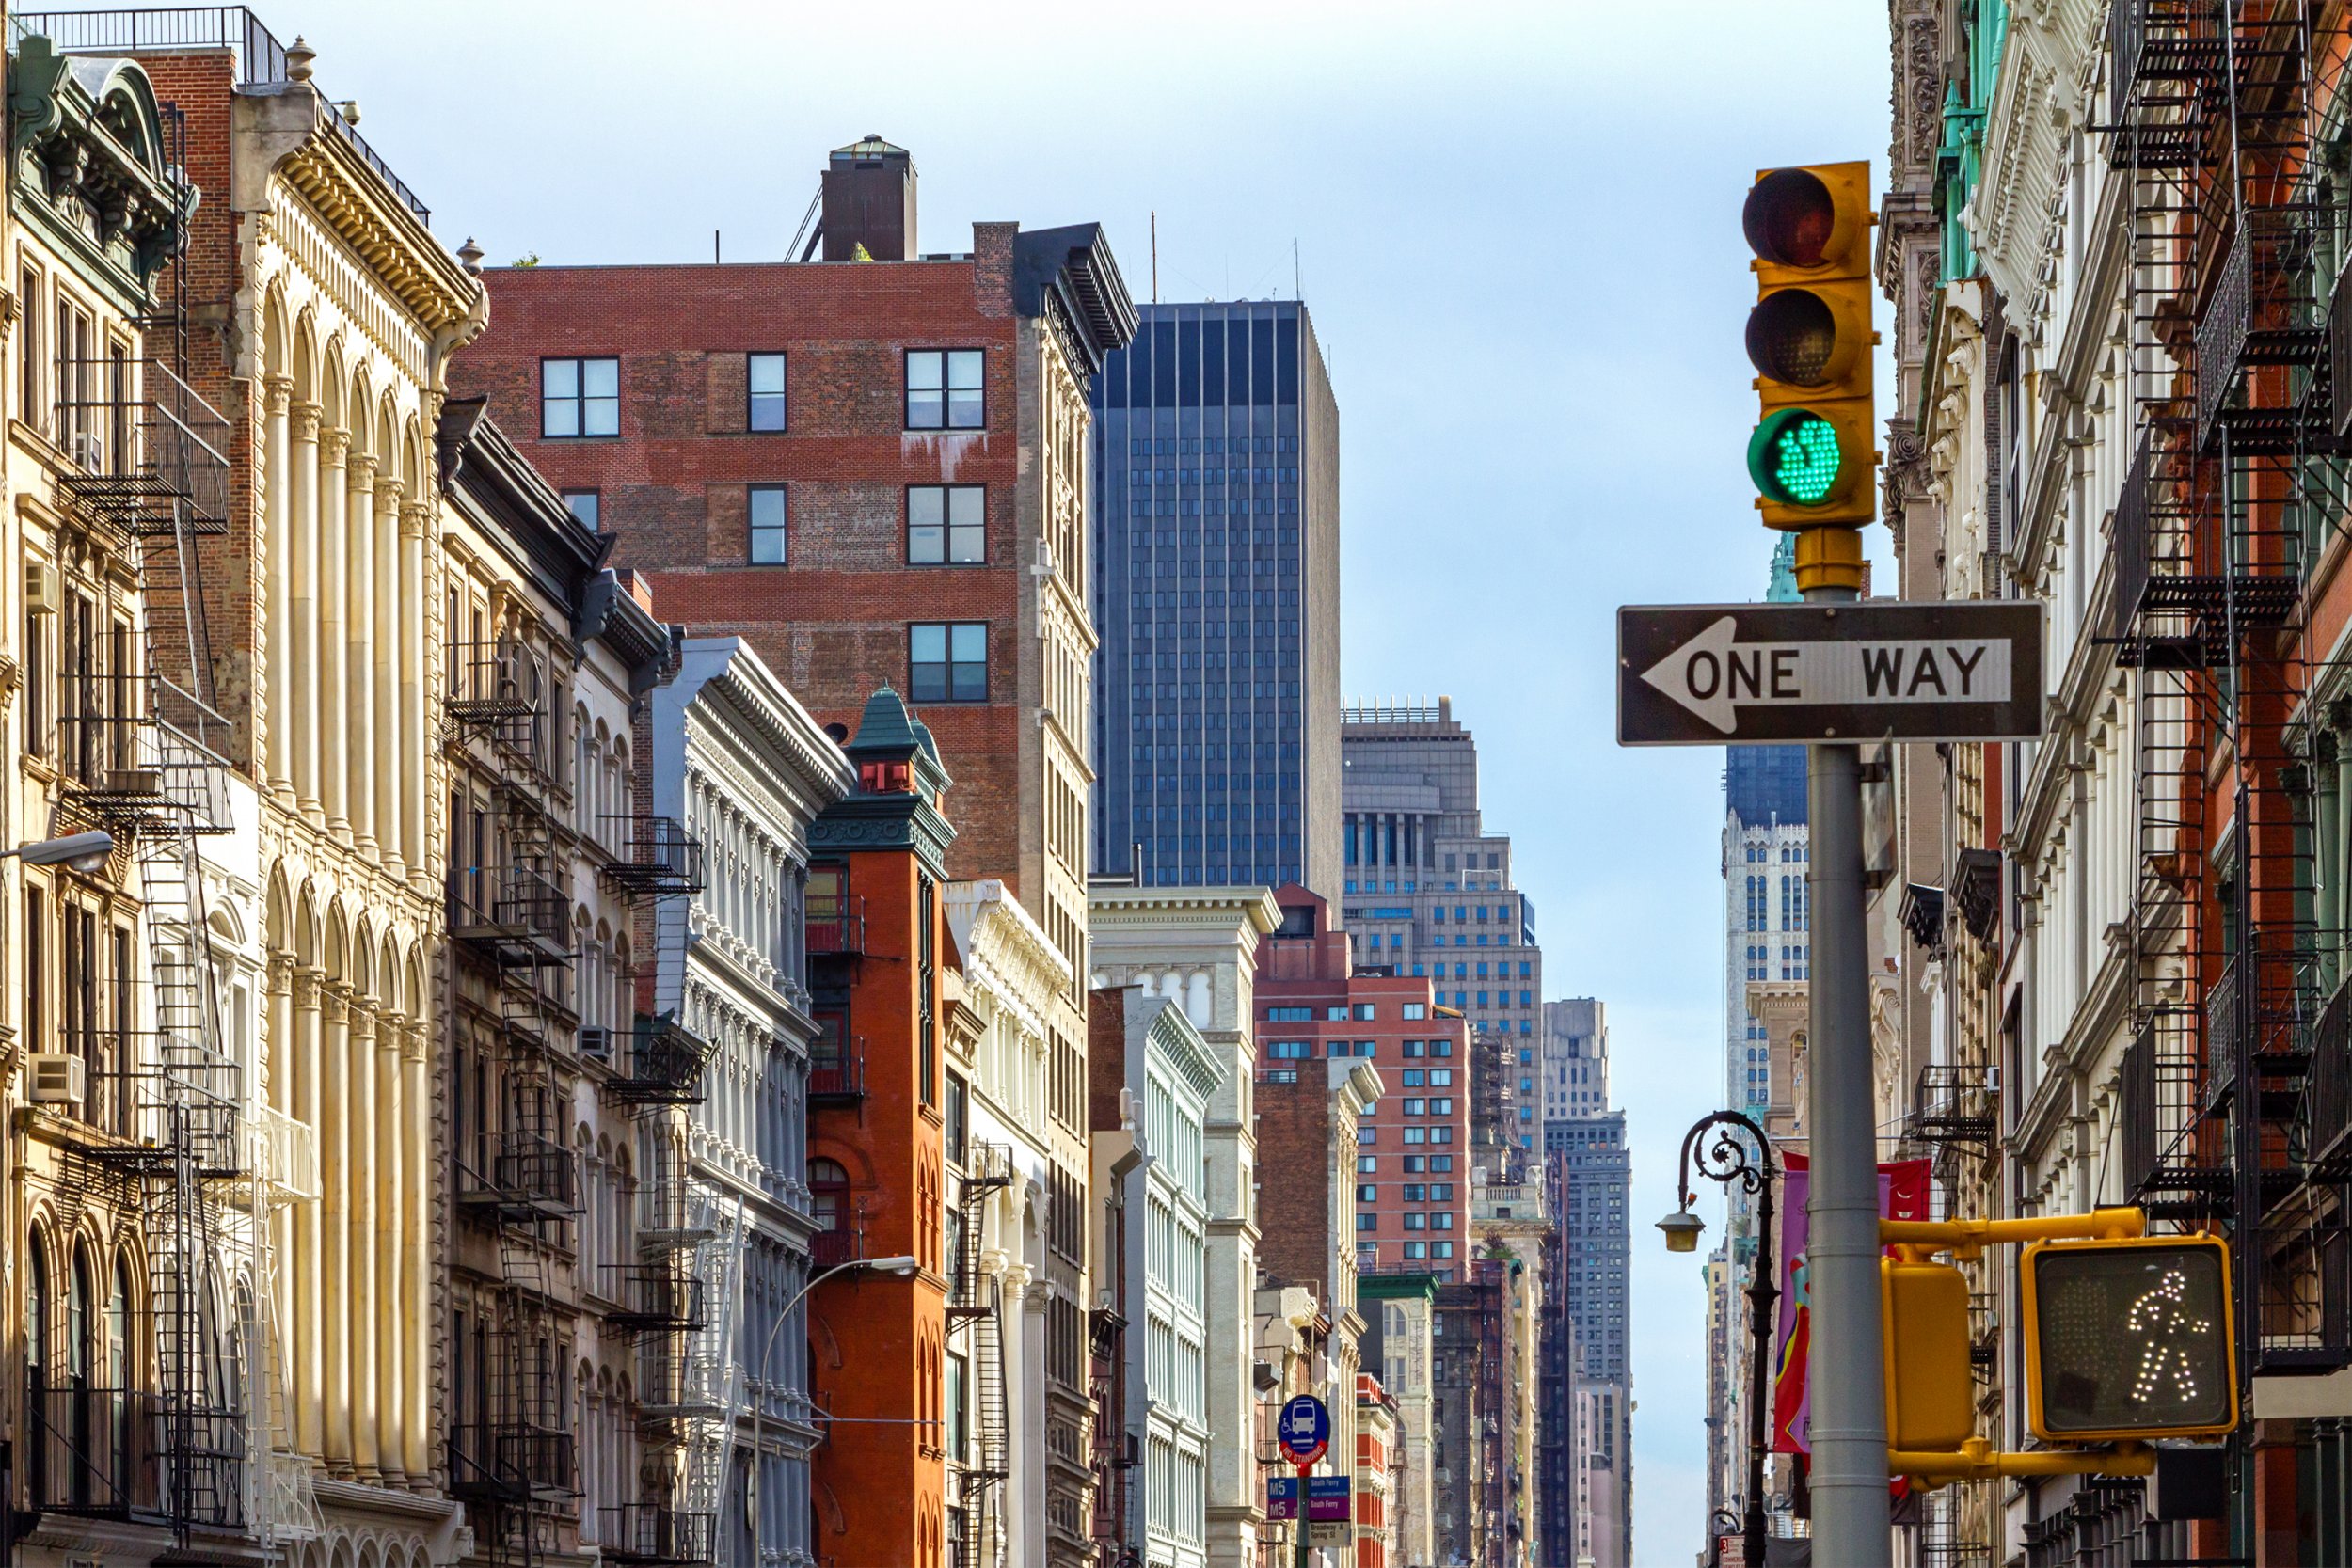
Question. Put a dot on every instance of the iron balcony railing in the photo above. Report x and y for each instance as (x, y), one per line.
(511, 1462)
(663, 1297)
(655, 1533)
(836, 1072)
(835, 925)
(664, 1064)
(842, 1240)
(92, 1451)
(657, 856)
(513, 914)
(519, 1176)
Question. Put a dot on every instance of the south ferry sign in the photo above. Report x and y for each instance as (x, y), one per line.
(1867, 669)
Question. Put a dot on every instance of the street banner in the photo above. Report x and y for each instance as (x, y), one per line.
(1903, 1195)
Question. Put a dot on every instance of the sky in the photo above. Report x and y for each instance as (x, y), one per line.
(1518, 230)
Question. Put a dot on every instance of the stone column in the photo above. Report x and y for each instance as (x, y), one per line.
(359, 653)
(416, 610)
(277, 546)
(392, 1218)
(335, 1221)
(303, 605)
(386, 764)
(276, 1055)
(416, 1137)
(359, 1305)
(308, 1365)
(334, 595)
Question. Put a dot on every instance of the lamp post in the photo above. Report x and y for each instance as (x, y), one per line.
(901, 1264)
(79, 851)
(1729, 1159)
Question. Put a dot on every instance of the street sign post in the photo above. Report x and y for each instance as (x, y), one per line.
(1825, 672)
(1304, 1430)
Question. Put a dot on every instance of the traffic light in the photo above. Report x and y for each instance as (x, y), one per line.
(2129, 1339)
(1814, 454)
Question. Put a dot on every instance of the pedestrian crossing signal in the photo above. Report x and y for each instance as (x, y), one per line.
(2129, 1339)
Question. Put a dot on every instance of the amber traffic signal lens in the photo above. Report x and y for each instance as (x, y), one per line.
(1792, 337)
(1788, 217)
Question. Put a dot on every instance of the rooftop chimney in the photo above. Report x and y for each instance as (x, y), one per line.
(869, 203)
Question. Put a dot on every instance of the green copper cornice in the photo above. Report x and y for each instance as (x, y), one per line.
(889, 821)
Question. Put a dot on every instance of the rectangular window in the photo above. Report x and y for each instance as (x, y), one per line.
(763, 391)
(1367, 1222)
(28, 399)
(579, 397)
(1366, 1193)
(1291, 1051)
(946, 525)
(1416, 1009)
(1289, 1015)
(1367, 1163)
(765, 505)
(948, 661)
(586, 507)
(1413, 1164)
(1366, 1011)
(944, 388)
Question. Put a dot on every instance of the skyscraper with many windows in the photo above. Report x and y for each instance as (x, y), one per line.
(1216, 592)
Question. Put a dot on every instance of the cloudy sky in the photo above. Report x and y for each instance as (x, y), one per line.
(1517, 228)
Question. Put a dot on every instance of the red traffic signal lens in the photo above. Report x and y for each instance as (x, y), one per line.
(1788, 217)
(1792, 337)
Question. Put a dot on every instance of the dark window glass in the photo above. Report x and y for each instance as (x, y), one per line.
(1164, 363)
(767, 510)
(1188, 364)
(1212, 368)
(579, 397)
(946, 525)
(763, 389)
(944, 388)
(948, 661)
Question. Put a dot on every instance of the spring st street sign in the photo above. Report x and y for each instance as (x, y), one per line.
(1708, 674)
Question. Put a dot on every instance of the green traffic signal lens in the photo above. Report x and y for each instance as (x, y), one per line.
(1794, 458)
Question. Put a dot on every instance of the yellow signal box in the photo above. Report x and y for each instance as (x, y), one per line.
(2129, 1339)
(1931, 1395)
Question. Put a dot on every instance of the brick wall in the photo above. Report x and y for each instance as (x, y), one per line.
(1296, 1205)
(832, 621)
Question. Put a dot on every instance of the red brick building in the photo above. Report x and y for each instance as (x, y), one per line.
(1412, 1169)
(878, 946)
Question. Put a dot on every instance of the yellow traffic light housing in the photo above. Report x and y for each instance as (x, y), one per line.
(1814, 455)
(2129, 1339)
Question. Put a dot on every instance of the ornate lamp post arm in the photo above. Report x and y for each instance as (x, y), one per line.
(1749, 1163)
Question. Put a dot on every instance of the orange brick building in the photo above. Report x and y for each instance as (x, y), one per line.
(878, 947)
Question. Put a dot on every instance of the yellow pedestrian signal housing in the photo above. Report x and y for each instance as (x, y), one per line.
(2129, 1339)
(1814, 455)
(1930, 1389)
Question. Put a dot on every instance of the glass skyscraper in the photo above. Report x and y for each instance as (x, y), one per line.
(1216, 596)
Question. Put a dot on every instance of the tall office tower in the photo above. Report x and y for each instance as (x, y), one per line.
(1766, 908)
(1585, 1355)
(1216, 596)
(1429, 891)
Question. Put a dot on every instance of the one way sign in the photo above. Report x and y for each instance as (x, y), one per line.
(1705, 674)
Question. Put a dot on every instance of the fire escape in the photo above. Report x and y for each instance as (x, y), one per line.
(206, 1449)
(2236, 473)
(679, 1297)
(1489, 1282)
(512, 1454)
(975, 1307)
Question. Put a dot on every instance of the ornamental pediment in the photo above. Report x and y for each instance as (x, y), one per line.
(91, 166)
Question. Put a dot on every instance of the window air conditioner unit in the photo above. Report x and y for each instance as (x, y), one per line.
(595, 1042)
(57, 1080)
(41, 588)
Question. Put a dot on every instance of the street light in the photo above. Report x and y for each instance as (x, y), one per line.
(900, 1264)
(77, 851)
(1728, 1160)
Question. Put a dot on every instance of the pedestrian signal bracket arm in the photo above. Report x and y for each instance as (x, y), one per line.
(1918, 1241)
(1978, 1461)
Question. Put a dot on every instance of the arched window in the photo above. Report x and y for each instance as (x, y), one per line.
(829, 1192)
(119, 1326)
(77, 1321)
(39, 1311)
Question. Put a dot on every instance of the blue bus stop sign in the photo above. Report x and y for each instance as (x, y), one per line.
(1306, 1429)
